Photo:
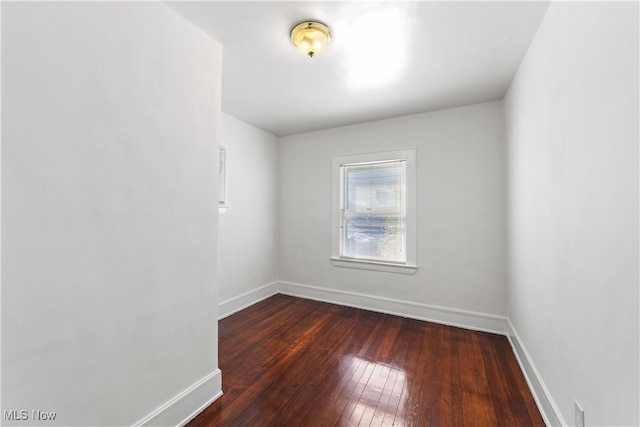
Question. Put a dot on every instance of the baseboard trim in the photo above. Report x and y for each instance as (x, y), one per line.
(242, 301)
(186, 405)
(431, 313)
(547, 406)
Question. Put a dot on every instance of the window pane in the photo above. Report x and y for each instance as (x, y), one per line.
(375, 187)
(374, 215)
(375, 237)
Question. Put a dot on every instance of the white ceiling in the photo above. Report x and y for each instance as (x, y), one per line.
(386, 58)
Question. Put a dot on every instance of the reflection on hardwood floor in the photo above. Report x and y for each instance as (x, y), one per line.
(293, 362)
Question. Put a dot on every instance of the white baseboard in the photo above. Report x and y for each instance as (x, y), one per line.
(240, 302)
(547, 406)
(431, 313)
(186, 405)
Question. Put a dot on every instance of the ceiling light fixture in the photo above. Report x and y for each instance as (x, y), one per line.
(311, 37)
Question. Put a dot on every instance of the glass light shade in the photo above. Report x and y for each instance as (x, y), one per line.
(310, 37)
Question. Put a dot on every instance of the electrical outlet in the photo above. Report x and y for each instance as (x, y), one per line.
(579, 414)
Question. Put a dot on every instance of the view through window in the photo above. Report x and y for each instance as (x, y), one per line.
(374, 201)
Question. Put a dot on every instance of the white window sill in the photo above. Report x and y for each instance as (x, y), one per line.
(373, 265)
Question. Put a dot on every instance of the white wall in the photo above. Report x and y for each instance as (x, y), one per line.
(248, 241)
(461, 208)
(110, 115)
(572, 119)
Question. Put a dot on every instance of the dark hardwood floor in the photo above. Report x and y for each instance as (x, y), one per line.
(293, 362)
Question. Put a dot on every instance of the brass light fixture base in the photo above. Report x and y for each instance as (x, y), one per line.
(310, 37)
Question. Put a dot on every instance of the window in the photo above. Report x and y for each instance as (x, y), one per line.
(373, 206)
(374, 211)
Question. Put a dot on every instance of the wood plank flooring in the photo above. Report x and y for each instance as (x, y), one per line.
(293, 362)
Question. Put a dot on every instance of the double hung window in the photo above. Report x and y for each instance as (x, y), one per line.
(374, 211)
(373, 198)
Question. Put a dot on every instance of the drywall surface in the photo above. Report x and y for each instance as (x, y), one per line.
(461, 210)
(572, 120)
(248, 242)
(110, 117)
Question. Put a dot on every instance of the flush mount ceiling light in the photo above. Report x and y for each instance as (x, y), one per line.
(310, 37)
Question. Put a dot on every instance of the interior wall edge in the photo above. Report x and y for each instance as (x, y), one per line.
(240, 302)
(546, 404)
(185, 406)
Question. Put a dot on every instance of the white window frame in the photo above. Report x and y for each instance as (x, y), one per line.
(410, 266)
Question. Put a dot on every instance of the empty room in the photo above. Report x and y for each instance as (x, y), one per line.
(364, 213)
